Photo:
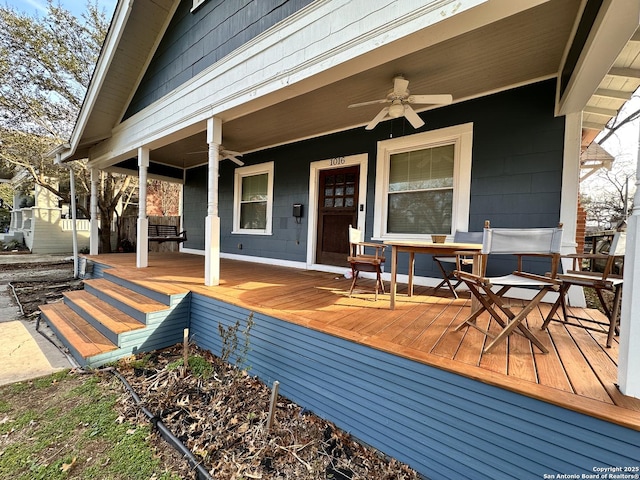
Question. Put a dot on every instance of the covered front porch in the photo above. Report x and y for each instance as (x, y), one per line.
(401, 381)
(579, 373)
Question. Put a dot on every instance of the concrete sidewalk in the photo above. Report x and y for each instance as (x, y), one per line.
(24, 352)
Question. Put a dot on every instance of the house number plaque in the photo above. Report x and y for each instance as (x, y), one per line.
(337, 161)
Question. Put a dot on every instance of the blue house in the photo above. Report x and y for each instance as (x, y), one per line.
(286, 121)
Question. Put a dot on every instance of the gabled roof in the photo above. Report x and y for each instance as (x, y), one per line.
(493, 46)
(135, 30)
(593, 159)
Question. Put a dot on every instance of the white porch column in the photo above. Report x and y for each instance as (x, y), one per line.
(628, 352)
(142, 247)
(16, 223)
(94, 235)
(569, 197)
(212, 222)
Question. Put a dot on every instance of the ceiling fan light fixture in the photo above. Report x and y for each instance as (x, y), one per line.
(396, 109)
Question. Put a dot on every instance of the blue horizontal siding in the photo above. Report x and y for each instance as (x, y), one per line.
(442, 424)
(97, 272)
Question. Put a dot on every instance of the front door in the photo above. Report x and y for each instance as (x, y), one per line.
(337, 209)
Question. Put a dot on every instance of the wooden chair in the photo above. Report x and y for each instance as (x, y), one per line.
(607, 280)
(447, 265)
(529, 242)
(362, 262)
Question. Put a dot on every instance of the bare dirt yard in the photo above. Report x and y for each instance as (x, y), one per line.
(37, 283)
(219, 412)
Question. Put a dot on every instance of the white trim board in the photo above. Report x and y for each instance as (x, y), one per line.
(314, 175)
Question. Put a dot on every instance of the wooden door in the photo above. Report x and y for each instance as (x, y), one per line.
(337, 209)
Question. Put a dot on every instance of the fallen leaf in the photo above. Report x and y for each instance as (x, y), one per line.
(243, 428)
(68, 466)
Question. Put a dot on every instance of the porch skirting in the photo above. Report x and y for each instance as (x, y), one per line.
(442, 424)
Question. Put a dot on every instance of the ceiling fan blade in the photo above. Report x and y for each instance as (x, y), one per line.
(228, 153)
(237, 161)
(413, 117)
(444, 99)
(400, 86)
(372, 102)
(231, 155)
(377, 119)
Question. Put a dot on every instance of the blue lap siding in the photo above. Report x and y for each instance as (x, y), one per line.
(442, 424)
(196, 40)
(516, 175)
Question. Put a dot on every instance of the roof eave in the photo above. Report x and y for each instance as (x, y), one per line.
(615, 25)
(109, 49)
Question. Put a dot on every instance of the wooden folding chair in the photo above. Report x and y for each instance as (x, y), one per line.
(609, 279)
(528, 242)
(447, 264)
(362, 262)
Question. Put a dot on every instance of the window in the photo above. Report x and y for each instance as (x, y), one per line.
(196, 4)
(253, 199)
(423, 184)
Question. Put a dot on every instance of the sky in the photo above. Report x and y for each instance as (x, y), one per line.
(77, 7)
(624, 144)
(626, 141)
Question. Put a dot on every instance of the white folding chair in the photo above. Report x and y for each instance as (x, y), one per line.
(527, 242)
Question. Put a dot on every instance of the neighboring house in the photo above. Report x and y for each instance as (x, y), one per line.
(533, 82)
(42, 224)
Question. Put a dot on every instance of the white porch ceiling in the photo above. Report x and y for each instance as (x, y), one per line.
(517, 50)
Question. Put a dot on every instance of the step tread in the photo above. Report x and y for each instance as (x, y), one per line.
(84, 338)
(108, 315)
(126, 296)
(143, 279)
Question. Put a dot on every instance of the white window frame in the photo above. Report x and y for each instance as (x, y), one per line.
(250, 171)
(196, 4)
(462, 138)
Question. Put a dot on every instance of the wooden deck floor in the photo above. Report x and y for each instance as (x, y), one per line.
(579, 373)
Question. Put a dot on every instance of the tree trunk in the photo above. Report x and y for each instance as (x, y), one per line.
(105, 230)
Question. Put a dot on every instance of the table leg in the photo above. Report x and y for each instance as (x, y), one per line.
(412, 263)
(394, 271)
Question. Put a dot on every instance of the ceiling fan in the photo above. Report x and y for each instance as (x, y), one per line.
(400, 101)
(224, 155)
(230, 155)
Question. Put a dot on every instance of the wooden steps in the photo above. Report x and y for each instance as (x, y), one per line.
(107, 321)
(132, 303)
(82, 336)
(108, 316)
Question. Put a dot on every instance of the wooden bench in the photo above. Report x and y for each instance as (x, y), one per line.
(166, 233)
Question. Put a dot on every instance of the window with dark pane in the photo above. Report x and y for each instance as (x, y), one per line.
(253, 202)
(421, 191)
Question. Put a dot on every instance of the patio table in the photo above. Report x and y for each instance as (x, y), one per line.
(429, 248)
